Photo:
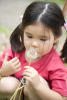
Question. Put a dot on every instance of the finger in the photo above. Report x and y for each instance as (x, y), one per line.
(31, 70)
(14, 59)
(26, 66)
(6, 57)
(18, 69)
(27, 78)
(27, 74)
(28, 70)
(16, 62)
(18, 66)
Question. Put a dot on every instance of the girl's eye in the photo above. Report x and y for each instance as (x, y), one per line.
(43, 39)
(29, 36)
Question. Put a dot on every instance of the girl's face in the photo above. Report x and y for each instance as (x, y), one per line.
(38, 37)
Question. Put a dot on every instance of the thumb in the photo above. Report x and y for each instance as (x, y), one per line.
(6, 57)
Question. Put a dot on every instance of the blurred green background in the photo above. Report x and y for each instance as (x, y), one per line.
(61, 2)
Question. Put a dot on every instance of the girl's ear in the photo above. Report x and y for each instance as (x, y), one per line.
(56, 39)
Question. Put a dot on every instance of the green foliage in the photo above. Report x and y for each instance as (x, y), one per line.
(4, 30)
(66, 65)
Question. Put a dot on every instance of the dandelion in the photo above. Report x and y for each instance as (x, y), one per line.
(31, 54)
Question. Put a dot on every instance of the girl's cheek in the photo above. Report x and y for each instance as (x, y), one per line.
(44, 50)
(27, 43)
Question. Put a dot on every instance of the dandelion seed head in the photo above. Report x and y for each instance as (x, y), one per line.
(31, 53)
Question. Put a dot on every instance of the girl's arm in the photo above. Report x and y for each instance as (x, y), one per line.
(40, 88)
(45, 93)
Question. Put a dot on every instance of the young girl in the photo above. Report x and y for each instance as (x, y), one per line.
(45, 74)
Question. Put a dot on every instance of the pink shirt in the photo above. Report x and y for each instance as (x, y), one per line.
(50, 67)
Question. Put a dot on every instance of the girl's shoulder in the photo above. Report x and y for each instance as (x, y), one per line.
(56, 62)
(7, 52)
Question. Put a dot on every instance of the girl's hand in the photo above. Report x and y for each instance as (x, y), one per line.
(10, 67)
(31, 76)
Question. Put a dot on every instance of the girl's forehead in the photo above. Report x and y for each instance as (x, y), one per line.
(38, 29)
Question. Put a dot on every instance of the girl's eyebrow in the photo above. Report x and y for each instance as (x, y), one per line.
(44, 36)
(28, 33)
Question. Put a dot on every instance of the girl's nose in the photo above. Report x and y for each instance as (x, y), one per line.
(35, 43)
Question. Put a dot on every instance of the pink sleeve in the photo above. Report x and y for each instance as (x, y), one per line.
(10, 55)
(59, 81)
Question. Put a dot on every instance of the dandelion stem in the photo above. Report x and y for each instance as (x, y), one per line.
(15, 93)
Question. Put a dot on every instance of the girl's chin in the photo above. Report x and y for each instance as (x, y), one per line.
(34, 60)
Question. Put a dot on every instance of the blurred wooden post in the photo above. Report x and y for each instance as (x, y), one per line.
(65, 10)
